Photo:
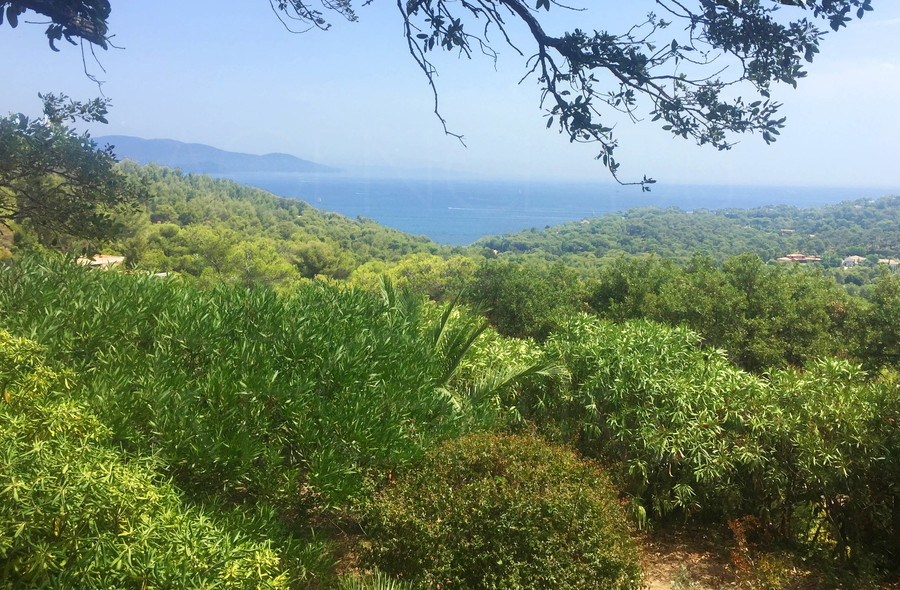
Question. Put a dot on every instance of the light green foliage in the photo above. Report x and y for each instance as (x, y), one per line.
(376, 581)
(76, 513)
(835, 464)
(672, 415)
(210, 230)
(496, 511)
(478, 370)
(498, 370)
(289, 401)
(426, 273)
(806, 450)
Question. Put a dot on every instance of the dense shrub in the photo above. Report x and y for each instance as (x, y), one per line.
(241, 393)
(438, 278)
(496, 511)
(881, 341)
(834, 437)
(497, 371)
(765, 316)
(806, 451)
(679, 421)
(74, 513)
(525, 300)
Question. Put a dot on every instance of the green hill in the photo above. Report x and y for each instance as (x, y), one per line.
(859, 227)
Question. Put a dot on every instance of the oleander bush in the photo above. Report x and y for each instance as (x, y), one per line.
(76, 513)
(500, 511)
(243, 394)
(834, 471)
(812, 452)
(681, 423)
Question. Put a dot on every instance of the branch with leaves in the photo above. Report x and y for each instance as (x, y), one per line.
(69, 20)
(685, 67)
(57, 180)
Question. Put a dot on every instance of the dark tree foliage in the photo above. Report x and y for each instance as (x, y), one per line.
(680, 77)
(56, 179)
(69, 19)
(525, 301)
(683, 67)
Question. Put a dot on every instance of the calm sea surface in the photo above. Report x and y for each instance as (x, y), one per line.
(459, 212)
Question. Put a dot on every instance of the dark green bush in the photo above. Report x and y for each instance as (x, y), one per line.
(765, 316)
(525, 300)
(499, 511)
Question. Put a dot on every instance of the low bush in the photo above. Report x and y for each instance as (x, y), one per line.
(500, 511)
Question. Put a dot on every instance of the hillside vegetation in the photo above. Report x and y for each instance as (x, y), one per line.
(410, 415)
(863, 227)
(212, 230)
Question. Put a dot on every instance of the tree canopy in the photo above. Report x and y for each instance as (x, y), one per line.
(56, 179)
(78, 19)
(684, 67)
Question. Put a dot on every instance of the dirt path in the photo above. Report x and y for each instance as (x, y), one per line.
(698, 559)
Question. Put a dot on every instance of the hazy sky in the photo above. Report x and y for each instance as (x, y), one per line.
(226, 73)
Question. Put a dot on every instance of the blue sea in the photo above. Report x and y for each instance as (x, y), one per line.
(458, 212)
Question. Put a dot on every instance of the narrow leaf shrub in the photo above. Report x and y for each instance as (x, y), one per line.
(682, 423)
(242, 394)
(835, 467)
(74, 513)
(812, 453)
(500, 511)
(376, 581)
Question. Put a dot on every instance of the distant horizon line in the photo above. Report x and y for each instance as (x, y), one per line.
(387, 172)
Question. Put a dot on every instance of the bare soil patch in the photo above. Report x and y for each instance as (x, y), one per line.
(697, 558)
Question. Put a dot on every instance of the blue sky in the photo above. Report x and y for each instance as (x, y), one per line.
(226, 73)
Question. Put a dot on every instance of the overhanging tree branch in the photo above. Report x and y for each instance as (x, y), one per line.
(687, 79)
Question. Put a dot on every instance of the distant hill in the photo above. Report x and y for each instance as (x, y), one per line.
(204, 159)
(862, 227)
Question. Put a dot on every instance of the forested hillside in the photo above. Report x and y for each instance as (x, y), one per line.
(213, 229)
(862, 227)
(209, 229)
